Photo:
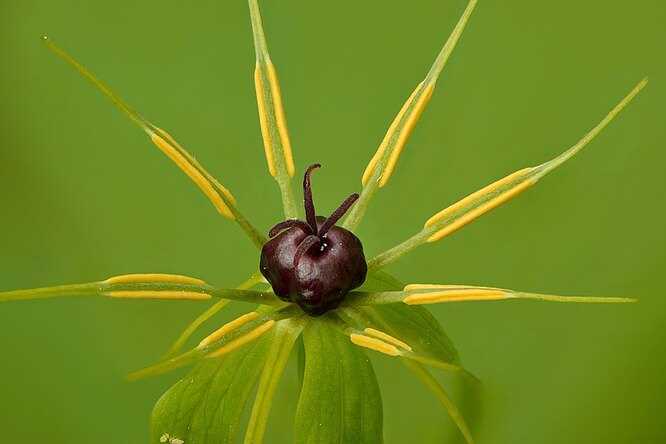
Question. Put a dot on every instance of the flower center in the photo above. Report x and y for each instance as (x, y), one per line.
(316, 234)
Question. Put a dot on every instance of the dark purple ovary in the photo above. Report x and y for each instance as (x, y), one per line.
(315, 263)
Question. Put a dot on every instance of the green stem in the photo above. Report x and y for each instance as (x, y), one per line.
(360, 298)
(288, 201)
(393, 254)
(251, 296)
(357, 212)
(257, 238)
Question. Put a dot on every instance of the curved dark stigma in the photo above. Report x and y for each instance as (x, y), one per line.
(304, 247)
(314, 236)
(310, 215)
(337, 214)
(288, 224)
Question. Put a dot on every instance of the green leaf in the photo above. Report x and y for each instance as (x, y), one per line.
(205, 407)
(340, 400)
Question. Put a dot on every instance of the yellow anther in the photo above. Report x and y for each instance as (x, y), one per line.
(374, 344)
(208, 188)
(273, 94)
(406, 131)
(157, 294)
(370, 169)
(387, 338)
(398, 133)
(281, 119)
(239, 342)
(263, 121)
(452, 295)
(228, 328)
(474, 197)
(415, 287)
(154, 277)
(481, 210)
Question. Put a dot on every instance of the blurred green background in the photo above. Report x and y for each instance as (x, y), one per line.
(84, 196)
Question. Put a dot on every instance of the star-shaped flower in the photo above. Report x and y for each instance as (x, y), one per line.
(314, 288)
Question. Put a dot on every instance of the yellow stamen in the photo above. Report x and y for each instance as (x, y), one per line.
(403, 128)
(153, 294)
(263, 121)
(374, 344)
(481, 210)
(386, 337)
(370, 169)
(414, 287)
(239, 342)
(281, 119)
(228, 328)
(495, 194)
(461, 204)
(230, 197)
(456, 296)
(154, 277)
(406, 131)
(197, 177)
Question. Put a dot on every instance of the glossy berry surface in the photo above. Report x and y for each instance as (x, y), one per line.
(314, 263)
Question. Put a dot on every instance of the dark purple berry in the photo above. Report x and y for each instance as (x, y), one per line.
(313, 263)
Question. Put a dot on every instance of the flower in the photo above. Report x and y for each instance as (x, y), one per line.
(339, 395)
